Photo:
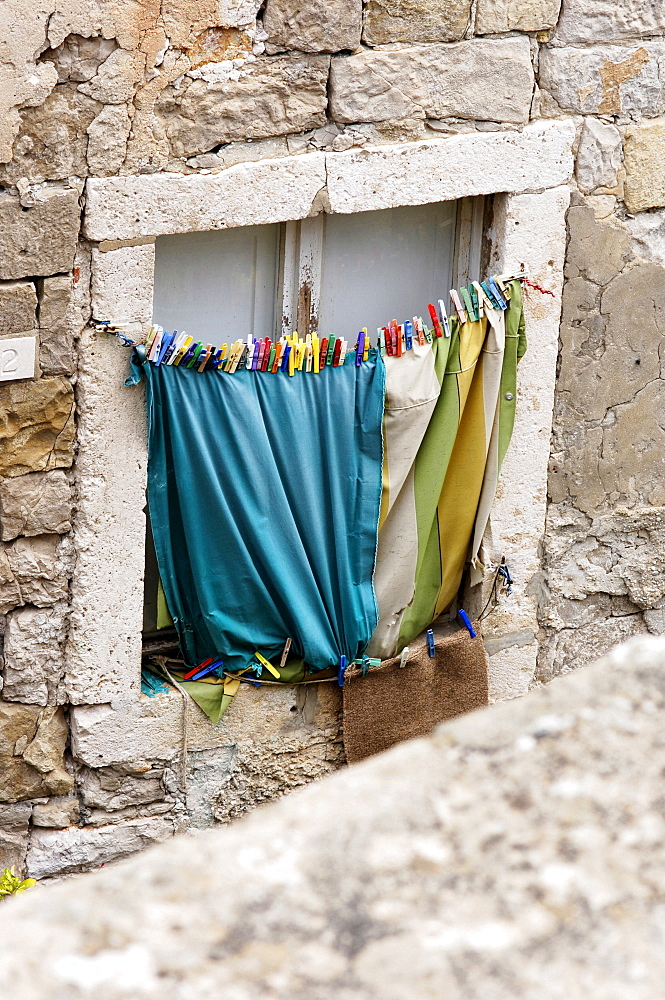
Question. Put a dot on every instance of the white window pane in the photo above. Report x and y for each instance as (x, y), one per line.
(379, 266)
(218, 285)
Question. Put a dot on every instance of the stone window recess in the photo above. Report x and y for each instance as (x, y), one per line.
(527, 173)
(333, 273)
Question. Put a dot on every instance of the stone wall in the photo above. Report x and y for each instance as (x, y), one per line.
(101, 89)
(517, 852)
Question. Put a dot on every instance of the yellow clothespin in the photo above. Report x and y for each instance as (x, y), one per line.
(366, 347)
(152, 333)
(268, 665)
(315, 353)
(182, 351)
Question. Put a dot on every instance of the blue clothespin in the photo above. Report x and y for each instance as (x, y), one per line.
(285, 358)
(167, 340)
(430, 642)
(211, 669)
(187, 357)
(466, 621)
(496, 292)
(341, 671)
(408, 334)
(360, 350)
(490, 294)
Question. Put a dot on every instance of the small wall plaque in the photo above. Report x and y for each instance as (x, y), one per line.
(17, 358)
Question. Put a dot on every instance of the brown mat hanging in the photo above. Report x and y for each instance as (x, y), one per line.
(392, 703)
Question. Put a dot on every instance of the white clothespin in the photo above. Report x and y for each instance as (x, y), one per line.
(405, 652)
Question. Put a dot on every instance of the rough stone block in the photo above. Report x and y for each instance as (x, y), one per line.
(496, 16)
(599, 155)
(55, 852)
(417, 173)
(648, 232)
(41, 239)
(415, 21)
(116, 78)
(57, 813)
(14, 833)
(56, 336)
(319, 26)
(107, 140)
(52, 140)
(589, 21)
(18, 303)
(37, 569)
(34, 663)
(39, 503)
(645, 165)
(271, 97)
(246, 194)
(32, 745)
(605, 79)
(484, 78)
(113, 788)
(36, 426)
(610, 392)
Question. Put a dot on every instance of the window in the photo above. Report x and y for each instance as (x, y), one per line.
(332, 273)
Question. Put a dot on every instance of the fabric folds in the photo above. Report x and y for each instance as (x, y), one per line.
(264, 495)
(450, 410)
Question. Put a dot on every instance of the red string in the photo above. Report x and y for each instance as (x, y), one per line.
(538, 288)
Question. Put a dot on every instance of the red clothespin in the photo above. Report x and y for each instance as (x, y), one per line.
(435, 320)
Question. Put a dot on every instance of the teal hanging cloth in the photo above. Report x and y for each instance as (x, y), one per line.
(264, 493)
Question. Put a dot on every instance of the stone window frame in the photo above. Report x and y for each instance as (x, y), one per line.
(526, 171)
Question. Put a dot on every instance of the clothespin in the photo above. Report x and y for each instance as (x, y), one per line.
(444, 318)
(496, 293)
(316, 354)
(212, 668)
(195, 670)
(196, 355)
(503, 288)
(152, 333)
(417, 326)
(153, 353)
(331, 350)
(435, 320)
(430, 642)
(475, 302)
(268, 665)
(482, 297)
(175, 348)
(309, 357)
(467, 623)
(408, 334)
(404, 657)
(360, 349)
(490, 295)
(337, 352)
(428, 334)
(466, 298)
(275, 356)
(172, 349)
(285, 653)
(167, 342)
(459, 308)
(285, 358)
(188, 355)
(205, 357)
(366, 345)
(342, 662)
(255, 355)
(342, 355)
